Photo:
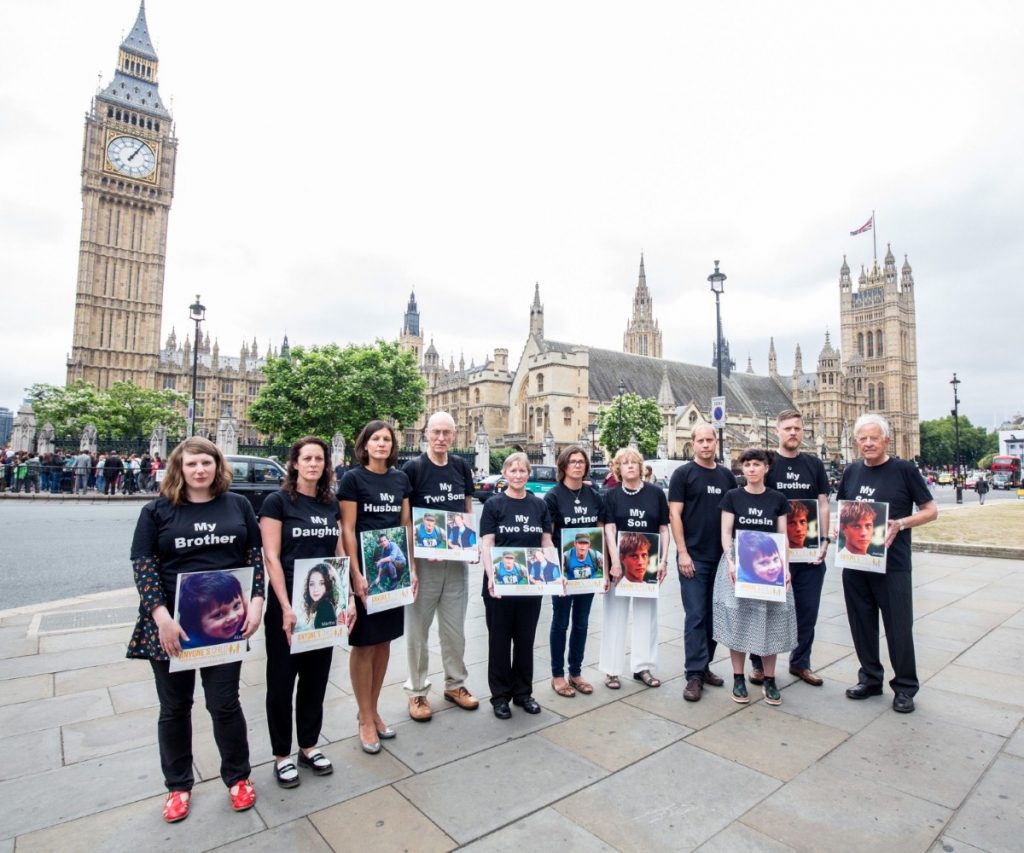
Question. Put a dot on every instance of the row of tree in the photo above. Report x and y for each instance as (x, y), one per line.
(938, 443)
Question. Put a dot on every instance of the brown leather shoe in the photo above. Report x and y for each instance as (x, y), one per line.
(807, 675)
(712, 679)
(694, 687)
(756, 676)
(463, 698)
(419, 709)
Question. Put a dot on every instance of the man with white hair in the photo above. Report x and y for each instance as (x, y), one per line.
(879, 478)
(440, 482)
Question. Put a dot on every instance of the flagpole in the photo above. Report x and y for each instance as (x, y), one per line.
(874, 235)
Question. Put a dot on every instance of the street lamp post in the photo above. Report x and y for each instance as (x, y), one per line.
(593, 441)
(717, 282)
(955, 412)
(196, 313)
(766, 429)
(618, 432)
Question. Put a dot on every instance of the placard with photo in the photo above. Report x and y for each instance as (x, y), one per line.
(583, 562)
(444, 535)
(386, 568)
(760, 565)
(638, 556)
(862, 530)
(526, 571)
(319, 601)
(802, 531)
(211, 608)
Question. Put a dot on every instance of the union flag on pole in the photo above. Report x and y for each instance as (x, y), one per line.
(865, 227)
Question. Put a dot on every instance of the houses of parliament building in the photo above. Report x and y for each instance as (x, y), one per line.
(555, 389)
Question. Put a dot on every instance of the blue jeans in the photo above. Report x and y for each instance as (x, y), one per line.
(698, 633)
(562, 607)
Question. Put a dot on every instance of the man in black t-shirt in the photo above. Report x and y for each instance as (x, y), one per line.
(800, 476)
(694, 494)
(443, 482)
(879, 478)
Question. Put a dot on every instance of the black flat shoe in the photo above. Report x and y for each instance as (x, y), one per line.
(529, 704)
(502, 711)
(903, 704)
(287, 775)
(862, 691)
(319, 763)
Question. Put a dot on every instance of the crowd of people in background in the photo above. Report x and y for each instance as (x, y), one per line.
(106, 472)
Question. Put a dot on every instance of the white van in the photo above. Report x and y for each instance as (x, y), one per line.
(663, 468)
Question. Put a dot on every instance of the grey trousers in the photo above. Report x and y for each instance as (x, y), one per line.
(444, 591)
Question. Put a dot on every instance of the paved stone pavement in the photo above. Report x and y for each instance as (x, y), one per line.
(634, 769)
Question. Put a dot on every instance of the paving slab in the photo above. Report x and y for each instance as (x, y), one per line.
(948, 844)
(739, 838)
(84, 639)
(299, 835)
(456, 734)
(581, 703)
(667, 701)
(930, 626)
(104, 675)
(29, 753)
(829, 706)
(14, 642)
(762, 738)
(958, 613)
(382, 820)
(543, 830)
(16, 690)
(992, 817)
(1008, 689)
(355, 773)
(674, 800)
(465, 798)
(930, 758)
(56, 796)
(1001, 650)
(829, 808)
(134, 695)
(49, 713)
(109, 734)
(985, 715)
(1015, 745)
(60, 661)
(139, 826)
(616, 735)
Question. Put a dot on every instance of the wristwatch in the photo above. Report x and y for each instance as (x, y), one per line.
(903, 526)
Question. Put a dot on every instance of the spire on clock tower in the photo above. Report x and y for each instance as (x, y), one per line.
(642, 337)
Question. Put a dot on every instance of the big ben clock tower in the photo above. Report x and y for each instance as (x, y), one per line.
(127, 185)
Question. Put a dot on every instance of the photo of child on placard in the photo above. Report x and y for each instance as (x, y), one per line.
(862, 529)
(211, 608)
(760, 565)
(319, 600)
(386, 568)
(802, 531)
(583, 559)
(638, 556)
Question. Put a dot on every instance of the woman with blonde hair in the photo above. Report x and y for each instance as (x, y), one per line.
(168, 542)
(634, 507)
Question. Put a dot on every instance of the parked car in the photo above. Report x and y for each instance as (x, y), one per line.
(489, 486)
(254, 477)
(945, 479)
(542, 479)
(1001, 480)
(972, 480)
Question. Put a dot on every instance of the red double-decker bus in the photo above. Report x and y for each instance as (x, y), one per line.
(1006, 468)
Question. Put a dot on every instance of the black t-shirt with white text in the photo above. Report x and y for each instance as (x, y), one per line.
(308, 528)
(514, 522)
(755, 512)
(896, 482)
(644, 512)
(378, 497)
(566, 512)
(439, 486)
(700, 491)
(801, 478)
(195, 537)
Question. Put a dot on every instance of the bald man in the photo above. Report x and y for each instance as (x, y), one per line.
(440, 482)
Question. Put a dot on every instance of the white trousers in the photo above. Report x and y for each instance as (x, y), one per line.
(444, 590)
(613, 635)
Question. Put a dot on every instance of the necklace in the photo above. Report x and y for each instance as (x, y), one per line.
(632, 492)
(576, 494)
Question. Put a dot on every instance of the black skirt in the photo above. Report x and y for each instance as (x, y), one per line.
(374, 628)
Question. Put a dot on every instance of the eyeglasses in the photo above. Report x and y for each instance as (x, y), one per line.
(577, 461)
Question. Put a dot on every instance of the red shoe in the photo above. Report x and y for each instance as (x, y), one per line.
(176, 806)
(243, 795)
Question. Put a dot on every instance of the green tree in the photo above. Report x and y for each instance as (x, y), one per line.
(123, 411)
(628, 417)
(497, 458)
(938, 442)
(324, 390)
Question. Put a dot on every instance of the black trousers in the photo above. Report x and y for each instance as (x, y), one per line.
(807, 580)
(312, 670)
(511, 630)
(174, 728)
(866, 594)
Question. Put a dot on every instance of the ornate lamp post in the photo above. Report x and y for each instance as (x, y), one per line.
(717, 282)
(593, 440)
(955, 412)
(196, 313)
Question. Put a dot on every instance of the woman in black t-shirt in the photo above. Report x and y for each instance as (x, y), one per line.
(745, 625)
(515, 519)
(374, 496)
(301, 521)
(196, 525)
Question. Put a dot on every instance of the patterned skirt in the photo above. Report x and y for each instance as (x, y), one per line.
(749, 625)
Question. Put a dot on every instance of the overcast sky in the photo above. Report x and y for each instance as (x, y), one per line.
(335, 156)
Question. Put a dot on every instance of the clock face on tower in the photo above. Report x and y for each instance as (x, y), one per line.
(131, 156)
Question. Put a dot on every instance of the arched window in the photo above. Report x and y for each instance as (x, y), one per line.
(871, 396)
(878, 343)
(871, 345)
(860, 343)
(540, 382)
(881, 395)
